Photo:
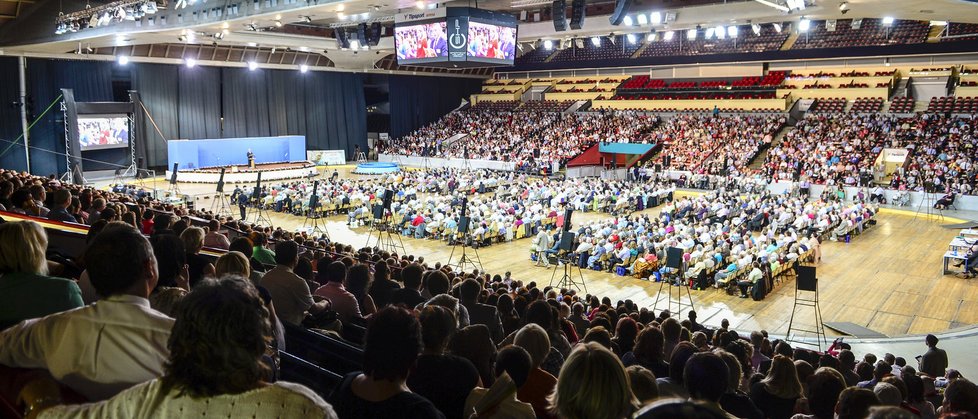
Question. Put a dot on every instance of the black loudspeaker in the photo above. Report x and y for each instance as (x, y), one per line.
(373, 35)
(567, 241)
(806, 278)
(674, 257)
(567, 219)
(378, 212)
(559, 12)
(465, 206)
(388, 198)
(256, 193)
(173, 175)
(220, 182)
(667, 161)
(342, 38)
(314, 199)
(577, 14)
(463, 224)
(362, 34)
(621, 9)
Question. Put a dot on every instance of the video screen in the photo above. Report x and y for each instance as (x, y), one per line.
(103, 131)
(491, 42)
(421, 42)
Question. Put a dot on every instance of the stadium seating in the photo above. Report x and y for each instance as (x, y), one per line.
(832, 105)
(867, 105)
(957, 29)
(967, 105)
(617, 49)
(498, 105)
(902, 104)
(546, 105)
(942, 104)
(871, 32)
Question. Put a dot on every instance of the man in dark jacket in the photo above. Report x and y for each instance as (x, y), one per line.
(480, 313)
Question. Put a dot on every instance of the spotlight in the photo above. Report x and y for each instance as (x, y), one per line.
(888, 21)
(303, 68)
(655, 18)
(804, 25)
(642, 19)
(596, 41)
(190, 62)
(548, 45)
(756, 28)
(707, 34)
(278, 23)
(627, 21)
(122, 60)
(777, 27)
(252, 65)
(340, 8)
(796, 4)
(419, 4)
(691, 34)
(651, 37)
(631, 38)
(720, 32)
(733, 31)
(354, 44)
(668, 35)
(843, 7)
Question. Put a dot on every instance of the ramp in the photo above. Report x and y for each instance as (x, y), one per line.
(854, 330)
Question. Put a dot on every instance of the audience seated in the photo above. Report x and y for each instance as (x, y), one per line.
(214, 368)
(116, 343)
(26, 290)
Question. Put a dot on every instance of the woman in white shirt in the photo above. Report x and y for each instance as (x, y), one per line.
(215, 367)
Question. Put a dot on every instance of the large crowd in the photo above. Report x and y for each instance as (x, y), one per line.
(714, 144)
(174, 333)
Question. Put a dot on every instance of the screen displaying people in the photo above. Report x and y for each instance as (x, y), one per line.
(422, 41)
(491, 41)
(95, 132)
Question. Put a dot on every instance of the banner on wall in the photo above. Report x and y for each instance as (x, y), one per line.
(326, 157)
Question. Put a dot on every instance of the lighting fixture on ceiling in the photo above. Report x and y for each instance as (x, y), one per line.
(777, 27)
(651, 37)
(596, 41)
(631, 38)
(691, 34)
(655, 18)
(627, 21)
(755, 28)
(122, 60)
(303, 68)
(888, 20)
(733, 31)
(796, 4)
(278, 23)
(708, 33)
(190, 62)
(548, 45)
(668, 35)
(642, 19)
(252, 65)
(804, 24)
(720, 32)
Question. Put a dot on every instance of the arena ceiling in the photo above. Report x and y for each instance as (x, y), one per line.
(27, 27)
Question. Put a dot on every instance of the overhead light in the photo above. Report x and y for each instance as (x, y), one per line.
(342, 16)
(304, 49)
(190, 62)
(777, 27)
(354, 44)
(642, 19)
(340, 7)
(548, 45)
(655, 18)
(668, 35)
(596, 41)
(631, 38)
(376, 8)
(938, 23)
(796, 4)
(252, 44)
(122, 59)
(627, 21)
(733, 31)
(804, 25)
(252, 65)
(720, 32)
(707, 34)
(888, 20)
(756, 29)
(843, 6)
(651, 37)
(278, 23)
(691, 34)
(419, 4)
(303, 68)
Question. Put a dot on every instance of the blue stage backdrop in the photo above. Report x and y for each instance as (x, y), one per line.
(194, 154)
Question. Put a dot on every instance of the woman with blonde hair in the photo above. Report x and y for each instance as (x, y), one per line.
(25, 289)
(608, 393)
(193, 242)
(777, 394)
(232, 263)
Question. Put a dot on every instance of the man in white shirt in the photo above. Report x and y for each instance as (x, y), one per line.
(106, 347)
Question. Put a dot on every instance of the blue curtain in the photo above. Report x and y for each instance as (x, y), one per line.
(336, 111)
(245, 99)
(91, 82)
(419, 100)
(11, 154)
(200, 103)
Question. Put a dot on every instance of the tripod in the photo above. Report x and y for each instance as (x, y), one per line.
(464, 259)
(261, 214)
(382, 237)
(567, 279)
(683, 285)
(927, 202)
(220, 206)
(312, 222)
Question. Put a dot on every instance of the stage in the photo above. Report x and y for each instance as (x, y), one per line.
(241, 173)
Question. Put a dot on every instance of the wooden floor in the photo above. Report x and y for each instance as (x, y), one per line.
(887, 279)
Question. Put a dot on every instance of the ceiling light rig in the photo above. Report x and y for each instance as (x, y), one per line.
(104, 15)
